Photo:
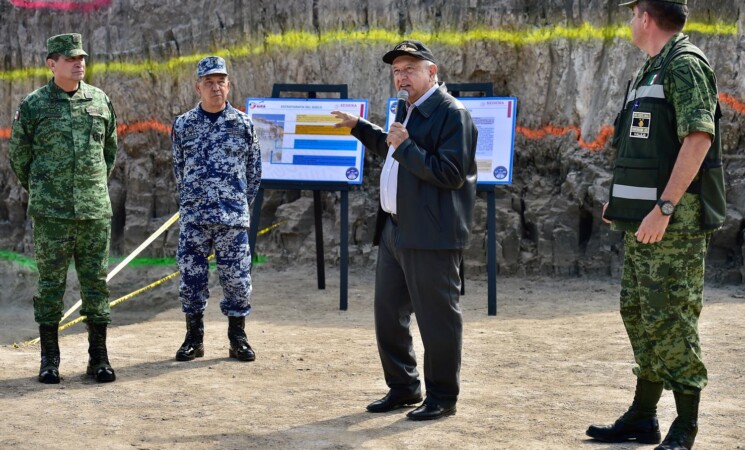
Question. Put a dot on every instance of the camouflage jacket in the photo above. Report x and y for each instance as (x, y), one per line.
(217, 167)
(63, 149)
(691, 88)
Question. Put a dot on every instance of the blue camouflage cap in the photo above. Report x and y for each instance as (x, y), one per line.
(211, 65)
(70, 44)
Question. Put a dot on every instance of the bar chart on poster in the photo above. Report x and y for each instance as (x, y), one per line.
(494, 117)
(300, 143)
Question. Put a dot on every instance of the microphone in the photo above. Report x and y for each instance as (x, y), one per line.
(401, 106)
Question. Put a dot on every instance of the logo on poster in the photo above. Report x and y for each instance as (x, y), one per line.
(500, 173)
(352, 173)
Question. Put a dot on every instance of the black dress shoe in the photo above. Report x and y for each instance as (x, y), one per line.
(394, 400)
(431, 411)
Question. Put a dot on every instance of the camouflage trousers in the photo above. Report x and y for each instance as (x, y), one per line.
(233, 267)
(56, 242)
(661, 299)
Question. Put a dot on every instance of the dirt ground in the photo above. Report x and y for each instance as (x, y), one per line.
(553, 360)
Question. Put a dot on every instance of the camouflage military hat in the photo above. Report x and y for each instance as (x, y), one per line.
(631, 3)
(70, 44)
(211, 65)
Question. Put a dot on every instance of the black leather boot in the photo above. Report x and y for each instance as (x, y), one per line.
(639, 423)
(50, 356)
(193, 346)
(682, 432)
(239, 348)
(98, 363)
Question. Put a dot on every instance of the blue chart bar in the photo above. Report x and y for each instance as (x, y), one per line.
(317, 160)
(316, 144)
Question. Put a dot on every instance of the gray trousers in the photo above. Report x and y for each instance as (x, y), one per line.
(426, 283)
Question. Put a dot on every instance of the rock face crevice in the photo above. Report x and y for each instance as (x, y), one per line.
(569, 84)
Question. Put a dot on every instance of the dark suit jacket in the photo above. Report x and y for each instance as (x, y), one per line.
(436, 176)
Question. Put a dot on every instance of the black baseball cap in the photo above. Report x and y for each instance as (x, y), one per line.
(409, 48)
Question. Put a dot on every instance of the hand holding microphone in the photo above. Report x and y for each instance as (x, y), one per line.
(397, 133)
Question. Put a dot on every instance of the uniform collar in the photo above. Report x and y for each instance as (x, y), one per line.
(655, 62)
(228, 113)
(81, 93)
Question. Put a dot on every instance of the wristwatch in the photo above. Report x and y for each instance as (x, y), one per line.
(666, 206)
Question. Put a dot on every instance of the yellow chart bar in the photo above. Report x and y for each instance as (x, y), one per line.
(321, 130)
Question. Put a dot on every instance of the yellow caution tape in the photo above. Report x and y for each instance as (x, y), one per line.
(127, 260)
(144, 289)
(303, 40)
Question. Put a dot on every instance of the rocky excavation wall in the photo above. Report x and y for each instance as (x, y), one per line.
(567, 62)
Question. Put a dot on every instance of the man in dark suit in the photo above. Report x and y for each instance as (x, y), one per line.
(427, 194)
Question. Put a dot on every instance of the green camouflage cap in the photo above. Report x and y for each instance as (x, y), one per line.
(631, 3)
(70, 44)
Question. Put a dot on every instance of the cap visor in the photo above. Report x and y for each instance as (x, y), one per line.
(213, 72)
(76, 52)
(393, 54)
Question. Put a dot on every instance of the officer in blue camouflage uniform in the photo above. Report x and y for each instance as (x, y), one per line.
(667, 197)
(62, 149)
(217, 164)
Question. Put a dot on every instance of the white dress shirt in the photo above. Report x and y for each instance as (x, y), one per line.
(389, 175)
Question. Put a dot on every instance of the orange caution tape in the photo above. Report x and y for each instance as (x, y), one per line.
(732, 102)
(547, 130)
(598, 144)
(142, 126)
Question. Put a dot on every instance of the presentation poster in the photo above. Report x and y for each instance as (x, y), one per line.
(299, 142)
(495, 119)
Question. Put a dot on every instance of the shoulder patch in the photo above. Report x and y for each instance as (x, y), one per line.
(683, 74)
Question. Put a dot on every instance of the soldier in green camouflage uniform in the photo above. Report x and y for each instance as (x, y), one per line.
(666, 132)
(62, 149)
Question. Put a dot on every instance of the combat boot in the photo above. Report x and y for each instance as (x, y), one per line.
(193, 346)
(50, 356)
(239, 348)
(682, 432)
(639, 423)
(98, 363)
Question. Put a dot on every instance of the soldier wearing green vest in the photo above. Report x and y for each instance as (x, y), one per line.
(667, 196)
(63, 149)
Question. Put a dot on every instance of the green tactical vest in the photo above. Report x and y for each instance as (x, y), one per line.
(647, 147)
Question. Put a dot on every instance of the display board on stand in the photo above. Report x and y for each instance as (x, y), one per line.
(301, 149)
